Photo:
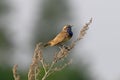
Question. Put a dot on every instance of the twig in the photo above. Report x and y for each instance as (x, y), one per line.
(45, 76)
(15, 74)
(34, 65)
(43, 64)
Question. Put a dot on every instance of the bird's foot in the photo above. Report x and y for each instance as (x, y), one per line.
(65, 47)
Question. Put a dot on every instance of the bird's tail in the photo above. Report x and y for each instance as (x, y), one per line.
(46, 44)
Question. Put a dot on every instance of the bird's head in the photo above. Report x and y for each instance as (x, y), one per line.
(67, 27)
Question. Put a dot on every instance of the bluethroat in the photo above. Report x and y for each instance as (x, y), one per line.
(63, 36)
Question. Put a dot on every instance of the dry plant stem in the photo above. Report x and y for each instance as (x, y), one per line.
(42, 62)
(47, 73)
(82, 34)
(33, 67)
(37, 72)
(65, 65)
(15, 74)
(84, 29)
(60, 68)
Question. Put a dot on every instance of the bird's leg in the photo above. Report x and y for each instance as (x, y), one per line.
(64, 46)
(61, 45)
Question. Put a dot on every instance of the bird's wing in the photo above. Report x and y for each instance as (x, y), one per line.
(59, 38)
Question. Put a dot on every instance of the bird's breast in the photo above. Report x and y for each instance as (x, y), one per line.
(69, 31)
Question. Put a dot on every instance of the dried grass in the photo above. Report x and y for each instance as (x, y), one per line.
(34, 69)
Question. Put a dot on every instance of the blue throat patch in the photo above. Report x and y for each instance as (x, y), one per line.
(69, 30)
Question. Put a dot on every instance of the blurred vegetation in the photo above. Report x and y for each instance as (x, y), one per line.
(4, 7)
(6, 74)
(5, 44)
(72, 73)
(4, 41)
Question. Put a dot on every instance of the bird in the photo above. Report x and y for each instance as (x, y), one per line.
(65, 35)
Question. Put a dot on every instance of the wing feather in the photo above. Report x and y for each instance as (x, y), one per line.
(59, 38)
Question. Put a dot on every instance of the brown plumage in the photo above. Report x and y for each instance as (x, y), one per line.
(63, 36)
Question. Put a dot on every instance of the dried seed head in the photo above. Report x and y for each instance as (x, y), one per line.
(61, 54)
(15, 74)
(34, 65)
(84, 29)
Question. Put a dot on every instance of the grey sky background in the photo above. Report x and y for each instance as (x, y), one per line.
(101, 44)
(102, 41)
